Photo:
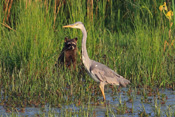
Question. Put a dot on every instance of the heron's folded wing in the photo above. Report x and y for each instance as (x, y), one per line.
(107, 75)
(104, 74)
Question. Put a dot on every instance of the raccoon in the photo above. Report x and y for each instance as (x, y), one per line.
(69, 53)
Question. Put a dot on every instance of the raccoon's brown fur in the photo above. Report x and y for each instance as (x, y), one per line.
(69, 53)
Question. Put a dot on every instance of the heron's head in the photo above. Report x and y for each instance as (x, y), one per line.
(78, 25)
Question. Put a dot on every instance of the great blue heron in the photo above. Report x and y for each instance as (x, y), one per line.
(99, 72)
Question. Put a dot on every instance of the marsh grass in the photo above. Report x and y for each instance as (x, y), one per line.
(129, 39)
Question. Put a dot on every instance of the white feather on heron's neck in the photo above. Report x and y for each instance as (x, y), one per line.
(85, 57)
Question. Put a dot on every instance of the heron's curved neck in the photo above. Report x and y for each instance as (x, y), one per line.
(85, 57)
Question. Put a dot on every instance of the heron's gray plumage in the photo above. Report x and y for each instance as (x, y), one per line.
(107, 75)
(99, 72)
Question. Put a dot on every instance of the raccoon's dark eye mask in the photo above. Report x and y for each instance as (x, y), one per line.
(71, 43)
(70, 46)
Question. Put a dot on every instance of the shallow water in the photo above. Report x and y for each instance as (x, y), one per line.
(164, 99)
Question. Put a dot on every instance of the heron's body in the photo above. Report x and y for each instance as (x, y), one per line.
(99, 72)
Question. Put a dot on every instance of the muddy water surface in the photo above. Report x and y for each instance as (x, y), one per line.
(126, 103)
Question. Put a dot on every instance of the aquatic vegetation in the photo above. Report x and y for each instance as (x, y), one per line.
(136, 40)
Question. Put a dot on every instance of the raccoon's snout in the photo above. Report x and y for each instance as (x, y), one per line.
(71, 47)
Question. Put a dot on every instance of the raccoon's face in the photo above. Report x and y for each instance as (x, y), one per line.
(70, 44)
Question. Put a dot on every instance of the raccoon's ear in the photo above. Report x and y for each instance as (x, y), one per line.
(76, 38)
(65, 39)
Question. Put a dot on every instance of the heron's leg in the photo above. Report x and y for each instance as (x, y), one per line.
(102, 89)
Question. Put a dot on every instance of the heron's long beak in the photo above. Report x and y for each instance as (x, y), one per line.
(70, 25)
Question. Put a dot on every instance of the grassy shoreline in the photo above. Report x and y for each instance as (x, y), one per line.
(130, 40)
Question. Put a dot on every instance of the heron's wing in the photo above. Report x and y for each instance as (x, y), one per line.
(107, 75)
